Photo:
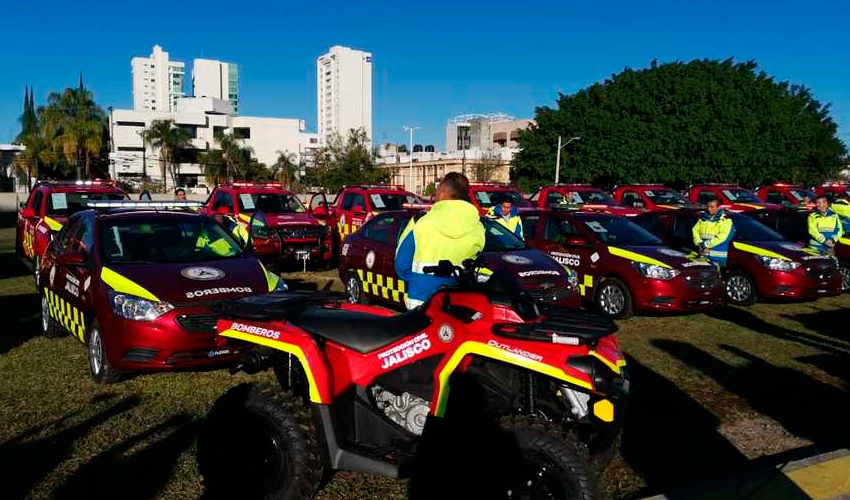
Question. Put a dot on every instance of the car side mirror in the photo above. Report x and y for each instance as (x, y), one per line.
(576, 241)
(357, 209)
(320, 210)
(72, 259)
(27, 213)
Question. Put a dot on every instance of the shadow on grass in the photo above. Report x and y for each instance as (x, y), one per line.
(805, 407)
(23, 313)
(24, 463)
(669, 439)
(11, 266)
(750, 321)
(300, 285)
(138, 475)
(833, 323)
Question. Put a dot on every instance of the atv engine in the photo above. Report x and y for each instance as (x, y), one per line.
(406, 410)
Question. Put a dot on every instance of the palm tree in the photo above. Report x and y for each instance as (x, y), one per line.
(285, 170)
(168, 139)
(75, 124)
(39, 151)
(215, 170)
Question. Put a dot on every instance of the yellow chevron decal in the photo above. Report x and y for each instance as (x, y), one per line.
(123, 285)
(626, 254)
(744, 247)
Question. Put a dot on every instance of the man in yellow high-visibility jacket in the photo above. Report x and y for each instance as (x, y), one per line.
(824, 225)
(505, 213)
(713, 233)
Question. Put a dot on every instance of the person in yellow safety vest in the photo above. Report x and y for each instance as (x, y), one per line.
(230, 224)
(713, 233)
(841, 206)
(824, 226)
(451, 230)
(505, 213)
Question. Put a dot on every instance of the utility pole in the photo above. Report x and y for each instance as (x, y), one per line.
(410, 154)
(558, 157)
(144, 163)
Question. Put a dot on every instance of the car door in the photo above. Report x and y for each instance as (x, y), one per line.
(29, 217)
(69, 282)
(682, 232)
(379, 240)
(319, 207)
(563, 241)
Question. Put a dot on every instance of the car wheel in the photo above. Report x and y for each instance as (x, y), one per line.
(99, 366)
(550, 467)
(272, 434)
(354, 289)
(844, 270)
(613, 299)
(740, 289)
(49, 327)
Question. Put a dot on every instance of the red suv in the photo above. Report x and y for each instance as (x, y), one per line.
(621, 267)
(788, 195)
(732, 197)
(354, 205)
(834, 191)
(139, 288)
(649, 197)
(48, 206)
(302, 236)
(580, 195)
(485, 194)
(761, 263)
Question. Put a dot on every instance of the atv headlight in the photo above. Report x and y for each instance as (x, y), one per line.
(775, 264)
(656, 272)
(137, 308)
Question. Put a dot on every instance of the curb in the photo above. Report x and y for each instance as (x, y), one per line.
(821, 477)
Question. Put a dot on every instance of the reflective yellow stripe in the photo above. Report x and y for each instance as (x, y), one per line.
(53, 224)
(615, 367)
(750, 205)
(758, 250)
(586, 283)
(472, 347)
(626, 254)
(271, 278)
(285, 347)
(845, 241)
(123, 285)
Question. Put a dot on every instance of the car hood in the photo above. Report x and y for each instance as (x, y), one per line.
(660, 255)
(674, 206)
(291, 219)
(749, 207)
(169, 282)
(780, 249)
(523, 263)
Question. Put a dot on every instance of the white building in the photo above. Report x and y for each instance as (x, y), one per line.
(343, 92)
(216, 79)
(157, 81)
(201, 118)
(308, 147)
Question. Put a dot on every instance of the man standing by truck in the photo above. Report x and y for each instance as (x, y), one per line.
(824, 226)
(505, 213)
(713, 233)
(451, 230)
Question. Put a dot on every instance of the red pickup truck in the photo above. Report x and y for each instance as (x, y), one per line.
(732, 197)
(583, 196)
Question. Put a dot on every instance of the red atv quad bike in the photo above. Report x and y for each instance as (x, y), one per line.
(363, 389)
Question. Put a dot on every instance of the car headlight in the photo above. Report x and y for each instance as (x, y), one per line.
(775, 264)
(137, 308)
(656, 272)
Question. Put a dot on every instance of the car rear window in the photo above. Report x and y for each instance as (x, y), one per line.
(63, 203)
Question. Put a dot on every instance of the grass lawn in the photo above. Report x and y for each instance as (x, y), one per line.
(711, 395)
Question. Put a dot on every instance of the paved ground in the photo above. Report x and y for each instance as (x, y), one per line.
(713, 396)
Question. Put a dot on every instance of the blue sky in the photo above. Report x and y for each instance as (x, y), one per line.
(432, 60)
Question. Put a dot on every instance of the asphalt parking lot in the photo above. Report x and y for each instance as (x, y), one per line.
(712, 396)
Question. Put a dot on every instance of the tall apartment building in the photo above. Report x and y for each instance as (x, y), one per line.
(216, 79)
(343, 92)
(157, 81)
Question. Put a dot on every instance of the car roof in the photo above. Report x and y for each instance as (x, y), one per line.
(129, 214)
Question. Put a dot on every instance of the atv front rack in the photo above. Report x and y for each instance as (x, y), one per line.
(560, 326)
(278, 305)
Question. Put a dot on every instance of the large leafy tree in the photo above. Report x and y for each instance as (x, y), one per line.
(678, 122)
(168, 139)
(232, 160)
(75, 124)
(285, 170)
(344, 160)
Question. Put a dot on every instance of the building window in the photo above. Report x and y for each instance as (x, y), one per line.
(242, 132)
(130, 124)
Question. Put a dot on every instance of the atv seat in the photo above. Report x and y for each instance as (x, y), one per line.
(360, 331)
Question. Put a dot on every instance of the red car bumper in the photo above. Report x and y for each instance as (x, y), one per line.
(678, 295)
(798, 284)
(183, 339)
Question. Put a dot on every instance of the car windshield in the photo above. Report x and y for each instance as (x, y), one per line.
(583, 198)
(737, 195)
(489, 198)
(165, 240)
(270, 203)
(802, 194)
(749, 229)
(497, 238)
(71, 203)
(665, 196)
(389, 201)
(618, 231)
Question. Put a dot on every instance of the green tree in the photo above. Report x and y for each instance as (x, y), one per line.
(344, 161)
(165, 136)
(232, 160)
(38, 153)
(285, 170)
(678, 122)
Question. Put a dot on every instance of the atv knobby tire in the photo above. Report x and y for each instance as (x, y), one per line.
(565, 474)
(259, 442)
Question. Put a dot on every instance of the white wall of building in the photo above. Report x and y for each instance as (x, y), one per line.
(157, 81)
(211, 78)
(343, 91)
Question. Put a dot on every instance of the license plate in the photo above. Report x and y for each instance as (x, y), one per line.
(302, 254)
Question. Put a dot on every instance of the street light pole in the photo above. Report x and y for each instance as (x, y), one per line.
(558, 157)
(410, 154)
